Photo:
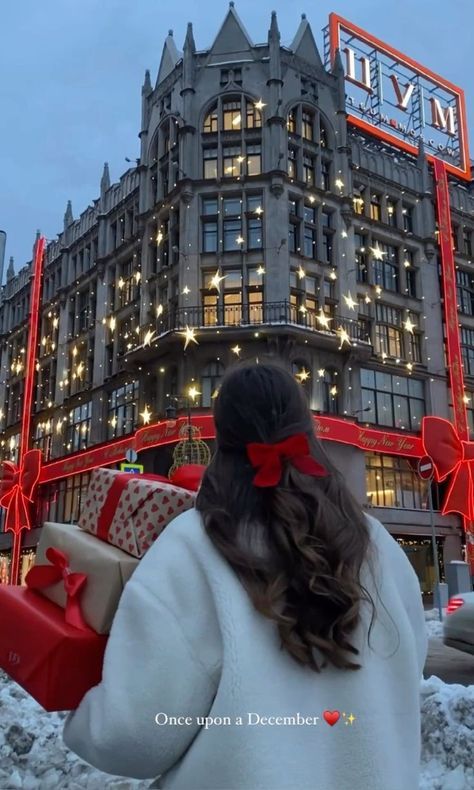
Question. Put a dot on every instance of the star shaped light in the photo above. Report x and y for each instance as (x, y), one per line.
(260, 104)
(351, 719)
(339, 183)
(333, 276)
(259, 210)
(186, 290)
(321, 372)
(303, 375)
(323, 319)
(367, 299)
(190, 337)
(301, 273)
(343, 336)
(333, 391)
(159, 310)
(236, 350)
(149, 337)
(240, 240)
(466, 399)
(409, 326)
(193, 392)
(260, 270)
(303, 309)
(378, 253)
(145, 415)
(350, 301)
(216, 281)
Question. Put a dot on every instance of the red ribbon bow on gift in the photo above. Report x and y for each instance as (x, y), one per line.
(17, 486)
(451, 455)
(269, 458)
(44, 575)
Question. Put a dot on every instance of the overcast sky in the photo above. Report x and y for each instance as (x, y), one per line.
(71, 73)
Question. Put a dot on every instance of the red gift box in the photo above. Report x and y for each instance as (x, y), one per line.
(54, 662)
(130, 511)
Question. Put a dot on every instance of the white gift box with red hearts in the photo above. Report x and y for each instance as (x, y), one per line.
(129, 511)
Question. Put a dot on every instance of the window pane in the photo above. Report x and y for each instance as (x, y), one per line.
(232, 207)
(384, 408)
(209, 206)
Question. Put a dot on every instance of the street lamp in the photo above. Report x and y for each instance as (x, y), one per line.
(171, 413)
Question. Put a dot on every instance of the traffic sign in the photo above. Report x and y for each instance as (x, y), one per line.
(132, 469)
(426, 468)
(131, 456)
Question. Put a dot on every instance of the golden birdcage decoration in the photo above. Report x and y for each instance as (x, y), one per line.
(191, 449)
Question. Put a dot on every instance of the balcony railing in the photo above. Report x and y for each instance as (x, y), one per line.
(267, 314)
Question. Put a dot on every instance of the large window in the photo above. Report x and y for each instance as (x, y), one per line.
(43, 439)
(240, 122)
(65, 499)
(393, 482)
(78, 428)
(388, 331)
(467, 350)
(386, 267)
(307, 136)
(210, 381)
(330, 391)
(375, 208)
(395, 401)
(465, 291)
(361, 259)
(122, 412)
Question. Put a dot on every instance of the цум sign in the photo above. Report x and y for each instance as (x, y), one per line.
(394, 98)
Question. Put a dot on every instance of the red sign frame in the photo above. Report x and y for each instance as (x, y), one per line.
(336, 23)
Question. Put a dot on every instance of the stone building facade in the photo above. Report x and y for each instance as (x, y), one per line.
(258, 218)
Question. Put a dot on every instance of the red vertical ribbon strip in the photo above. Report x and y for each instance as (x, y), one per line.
(31, 355)
(453, 346)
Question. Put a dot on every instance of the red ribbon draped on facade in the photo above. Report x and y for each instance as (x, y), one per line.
(17, 487)
(453, 456)
(453, 348)
(45, 575)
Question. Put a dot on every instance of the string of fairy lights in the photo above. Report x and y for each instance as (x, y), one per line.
(76, 375)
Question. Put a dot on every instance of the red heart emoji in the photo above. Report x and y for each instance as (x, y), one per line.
(150, 527)
(331, 716)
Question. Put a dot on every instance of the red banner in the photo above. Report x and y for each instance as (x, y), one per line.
(332, 429)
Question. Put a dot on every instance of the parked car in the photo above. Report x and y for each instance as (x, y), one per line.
(458, 625)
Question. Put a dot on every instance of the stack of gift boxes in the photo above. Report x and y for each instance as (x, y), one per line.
(53, 631)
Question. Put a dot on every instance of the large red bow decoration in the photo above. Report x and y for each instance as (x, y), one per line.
(268, 459)
(44, 575)
(451, 456)
(17, 487)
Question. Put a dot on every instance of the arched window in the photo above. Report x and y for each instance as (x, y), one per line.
(308, 157)
(331, 391)
(237, 151)
(210, 380)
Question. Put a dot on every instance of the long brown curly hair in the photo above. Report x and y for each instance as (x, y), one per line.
(298, 547)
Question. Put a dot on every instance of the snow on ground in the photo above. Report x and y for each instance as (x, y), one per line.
(33, 756)
(434, 626)
(32, 753)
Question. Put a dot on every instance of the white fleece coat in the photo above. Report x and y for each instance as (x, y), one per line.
(187, 642)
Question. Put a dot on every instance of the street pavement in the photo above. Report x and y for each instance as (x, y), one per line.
(448, 664)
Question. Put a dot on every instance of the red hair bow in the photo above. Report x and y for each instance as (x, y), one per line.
(268, 459)
(17, 486)
(451, 455)
(44, 575)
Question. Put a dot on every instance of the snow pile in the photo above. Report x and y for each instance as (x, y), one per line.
(434, 627)
(32, 753)
(447, 729)
(33, 756)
